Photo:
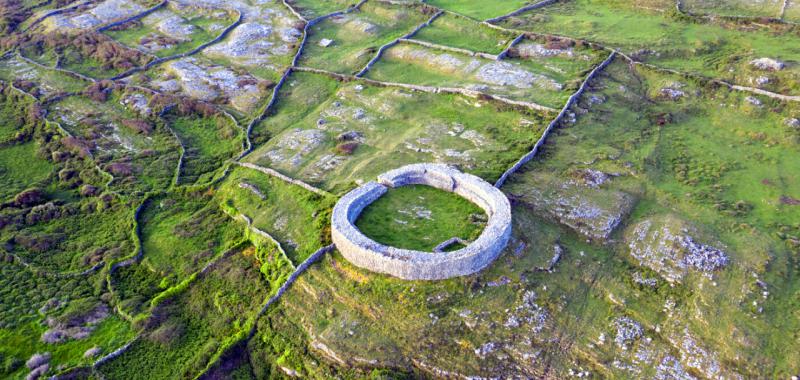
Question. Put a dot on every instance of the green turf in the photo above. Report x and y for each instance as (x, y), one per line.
(398, 128)
(194, 325)
(297, 218)
(722, 50)
(420, 217)
(479, 10)
(207, 143)
(357, 36)
(461, 32)
(20, 167)
(182, 232)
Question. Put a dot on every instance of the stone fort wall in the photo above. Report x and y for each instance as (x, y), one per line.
(417, 265)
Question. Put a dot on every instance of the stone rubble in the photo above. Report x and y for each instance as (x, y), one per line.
(665, 246)
(208, 82)
(671, 93)
(627, 332)
(769, 64)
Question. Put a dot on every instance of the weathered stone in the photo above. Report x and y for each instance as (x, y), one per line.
(592, 211)
(769, 64)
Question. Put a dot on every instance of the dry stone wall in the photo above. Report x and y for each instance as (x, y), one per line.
(417, 265)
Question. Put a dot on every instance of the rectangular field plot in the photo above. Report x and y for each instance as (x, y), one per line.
(331, 133)
(311, 9)
(37, 80)
(717, 48)
(741, 8)
(173, 30)
(180, 233)
(294, 216)
(140, 153)
(352, 39)
(186, 331)
(461, 32)
(479, 10)
(533, 73)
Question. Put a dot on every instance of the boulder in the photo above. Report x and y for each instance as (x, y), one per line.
(768, 64)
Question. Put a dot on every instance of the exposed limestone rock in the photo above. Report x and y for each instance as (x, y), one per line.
(361, 26)
(491, 73)
(209, 82)
(295, 145)
(664, 245)
(593, 212)
(537, 50)
(754, 101)
(103, 13)
(138, 102)
(508, 74)
(671, 93)
(769, 64)
(628, 331)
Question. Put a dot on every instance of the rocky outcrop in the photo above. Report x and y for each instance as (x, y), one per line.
(416, 265)
(666, 245)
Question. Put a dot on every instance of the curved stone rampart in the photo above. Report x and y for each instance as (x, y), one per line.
(417, 265)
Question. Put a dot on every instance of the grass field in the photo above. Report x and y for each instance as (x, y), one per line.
(718, 161)
(357, 36)
(420, 217)
(47, 81)
(204, 26)
(207, 143)
(191, 327)
(297, 218)
(20, 167)
(548, 81)
(722, 50)
(182, 232)
(311, 9)
(464, 33)
(479, 10)
(390, 128)
(769, 8)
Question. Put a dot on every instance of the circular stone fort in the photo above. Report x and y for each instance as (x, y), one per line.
(418, 265)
